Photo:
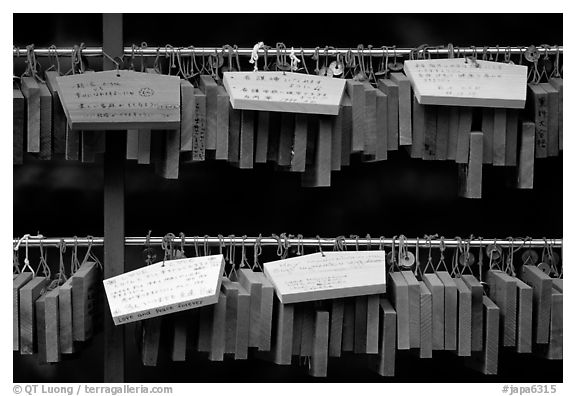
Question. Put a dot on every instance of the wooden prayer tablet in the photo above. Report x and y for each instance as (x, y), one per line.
(205, 328)
(538, 109)
(131, 144)
(442, 132)
(554, 350)
(525, 172)
(399, 297)
(477, 310)
(223, 124)
(273, 140)
(488, 131)
(254, 288)
(558, 83)
(386, 358)
(511, 137)
(266, 312)
(418, 129)
(18, 282)
(346, 114)
(199, 126)
(542, 295)
(120, 100)
(151, 331)
(499, 142)
(472, 183)
(336, 327)
(58, 116)
(233, 154)
(164, 287)
(298, 160)
(553, 121)
(319, 359)
(503, 293)
(370, 131)
(464, 318)
(247, 139)
(297, 330)
(48, 327)
(169, 161)
(486, 361)
(436, 287)
(284, 91)
(45, 122)
(306, 340)
(72, 144)
(414, 307)
(29, 293)
(373, 324)
(464, 128)
(558, 284)
(360, 323)
(237, 319)
(218, 333)
(450, 311)
(430, 124)
(210, 88)
(84, 284)
(328, 275)
(381, 126)
(425, 321)
(348, 325)
(320, 173)
(453, 125)
(282, 345)
(262, 130)
(286, 139)
(31, 91)
(17, 124)
(461, 82)
(524, 318)
(355, 90)
(180, 332)
(65, 313)
(144, 146)
(336, 145)
(187, 115)
(390, 88)
(404, 108)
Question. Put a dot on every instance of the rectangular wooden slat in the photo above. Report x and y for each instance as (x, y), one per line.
(262, 128)
(72, 144)
(430, 124)
(450, 311)
(18, 117)
(199, 126)
(286, 139)
(555, 347)
(399, 297)
(503, 293)
(222, 123)
(558, 284)
(52, 326)
(247, 140)
(84, 295)
(17, 283)
(486, 361)
(511, 137)
(464, 128)
(235, 121)
(65, 312)
(254, 288)
(40, 306)
(169, 161)
(336, 327)
(404, 108)
(553, 122)
(58, 116)
(360, 323)
(386, 358)
(525, 173)
(231, 291)
(370, 132)
(390, 88)
(558, 83)
(88, 146)
(144, 146)
(425, 321)
(273, 137)
(187, 115)
(442, 133)
(319, 174)
(464, 318)
(414, 307)
(355, 90)
(488, 131)
(210, 89)
(45, 122)
(297, 330)
(31, 91)
(242, 324)
(298, 163)
(524, 318)
(29, 293)
(346, 114)
(477, 310)
(266, 312)
(319, 359)
(348, 325)
(206, 315)
(282, 346)
(418, 129)
(471, 183)
(453, 133)
(499, 142)
(381, 126)
(372, 311)
(131, 144)
(307, 331)
(179, 337)
(151, 332)
(336, 141)
(537, 103)
(436, 287)
(542, 296)
(218, 331)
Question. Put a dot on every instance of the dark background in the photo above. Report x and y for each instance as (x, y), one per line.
(398, 196)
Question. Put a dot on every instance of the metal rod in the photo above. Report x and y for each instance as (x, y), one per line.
(270, 241)
(380, 51)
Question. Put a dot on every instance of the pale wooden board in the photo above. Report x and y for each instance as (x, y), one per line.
(247, 139)
(491, 319)
(266, 312)
(414, 307)
(450, 311)
(40, 307)
(381, 126)
(437, 289)
(459, 82)
(453, 124)
(179, 338)
(243, 324)
(144, 146)
(554, 350)
(511, 137)
(418, 129)
(336, 327)
(336, 141)
(45, 122)
(390, 88)
(131, 144)
(84, 285)
(464, 128)
(503, 293)
(210, 89)
(169, 161)
(425, 321)
(360, 323)
(18, 116)
(473, 182)
(319, 359)
(558, 284)
(538, 108)
(52, 326)
(404, 108)
(346, 114)
(386, 358)
(233, 142)
(499, 142)
(187, 114)
(151, 332)
(307, 331)
(430, 118)
(488, 131)
(525, 172)
(199, 126)
(31, 91)
(17, 283)
(254, 288)
(373, 324)
(558, 83)
(542, 295)
(477, 310)
(282, 346)
(298, 161)
(205, 328)
(218, 333)
(524, 319)
(29, 293)
(286, 139)
(223, 109)
(66, 320)
(553, 121)
(370, 131)
(58, 116)
(464, 318)
(355, 90)
(262, 130)
(348, 325)
(231, 290)
(442, 133)
(399, 297)
(319, 175)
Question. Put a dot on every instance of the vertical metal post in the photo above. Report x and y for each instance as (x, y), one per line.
(112, 44)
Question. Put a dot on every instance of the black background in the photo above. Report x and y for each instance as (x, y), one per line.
(398, 196)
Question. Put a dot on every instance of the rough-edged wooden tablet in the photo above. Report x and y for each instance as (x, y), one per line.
(187, 114)
(390, 88)
(40, 305)
(414, 307)
(355, 90)
(464, 318)
(418, 129)
(237, 318)
(58, 115)
(319, 174)
(179, 339)
(499, 141)
(266, 312)
(399, 297)
(348, 325)
(336, 325)
(486, 361)
(346, 113)
(298, 161)
(84, 285)
(381, 126)
(471, 182)
(286, 139)
(48, 327)
(537, 104)
(319, 358)
(404, 108)
(477, 310)
(370, 132)
(558, 83)
(386, 358)
(262, 130)
(425, 321)
(65, 313)
(151, 331)
(29, 293)
(525, 173)
(218, 336)
(511, 137)
(222, 123)
(430, 123)
(231, 290)
(553, 122)
(488, 131)
(436, 287)
(464, 129)
(503, 293)
(555, 347)
(542, 295)
(247, 140)
(235, 121)
(199, 126)
(524, 319)
(18, 116)
(450, 311)
(17, 283)
(210, 89)
(45, 122)
(31, 91)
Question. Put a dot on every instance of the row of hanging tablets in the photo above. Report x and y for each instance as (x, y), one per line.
(469, 301)
(377, 115)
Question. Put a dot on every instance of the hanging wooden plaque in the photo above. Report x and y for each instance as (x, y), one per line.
(18, 282)
(65, 313)
(298, 161)
(274, 125)
(205, 328)
(319, 358)
(418, 129)
(240, 306)
(179, 339)
(210, 88)
(450, 311)
(499, 143)
(282, 345)
(462, 82)
(223, 109)
(553, 121)
(436, 287)
(18, 116)
(58, 115)
(144, 146)
(262, 130)
(286, 139)
(414, 307)
(336, 324)
(486, 361)
(386, 359)
(169, 159)
(511, 137)
(131, 144)
(151, 332)
(261, 303)
(84, 294)
(538, 109)
(399, 297)
(442, 133)
(31, 91)
(464, 128)
(524, 318)
(381, 126)
(404, 108)
(360, 323)
(542, 295)
(297, 331)
(488, 131)
(247, 140)
(187, 115)
(29, 293)
(525, 172)
(453, 124)
(218, 330)
(558, 83)
(430, 124)
(425, 322)
(199, 126)
(336, 141)
(554, 350)
(471, 179)
(48, 327)
(503, 293)
(346, 114)
(370, 127)
(477, 310)
(320, 174)
(306, 340)
(348, 325)
(464, 318)
(390, 88)
(231, 291)
(235, 119)
(45, 152)
(355, 90)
